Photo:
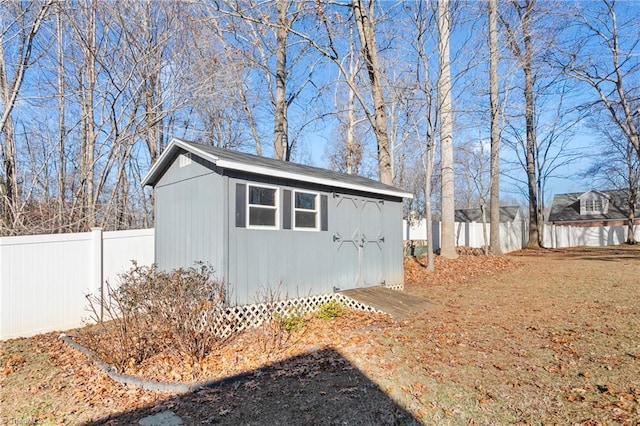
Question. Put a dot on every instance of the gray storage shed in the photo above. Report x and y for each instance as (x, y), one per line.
(264, 223)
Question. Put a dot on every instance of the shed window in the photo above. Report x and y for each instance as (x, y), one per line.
(305, 209)
(262, 203)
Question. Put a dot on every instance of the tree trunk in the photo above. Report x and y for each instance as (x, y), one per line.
(88, 138)
(353, 151)
(152, 95)
(12, 196)
(428, 173)
(366, 31)
(633, 197)
(529, 80)
(485, 239)
(494, 205)
(61, 124)
(250, 120)
(447, 238)
(351, 124)
(280, 132)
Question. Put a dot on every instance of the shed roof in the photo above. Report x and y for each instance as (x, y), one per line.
(507, 214)
(566, 207)
(255, 164)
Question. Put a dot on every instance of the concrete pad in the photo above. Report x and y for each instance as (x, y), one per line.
(163, 418)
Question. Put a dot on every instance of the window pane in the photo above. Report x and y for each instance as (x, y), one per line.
(305, 200)
(262, 196)
(305, 219)
(259, 216)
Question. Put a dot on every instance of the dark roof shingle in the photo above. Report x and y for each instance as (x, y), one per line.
(507, 214)
(566, 207)
(251, 163)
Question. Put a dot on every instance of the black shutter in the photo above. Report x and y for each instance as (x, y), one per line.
(324, 219)
(241, 205)
(286, 209)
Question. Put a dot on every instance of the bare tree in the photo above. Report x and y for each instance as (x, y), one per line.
(447, 239)
(494, 244)
(617, 166)
(365, 23)
(62, 130)
(353, 148)
(422, 22)
(267, 44)
(22, 25)
(116, 73)
(603, 55)
(281, 123)
(348, 154)
(521, 45)
(555, 149)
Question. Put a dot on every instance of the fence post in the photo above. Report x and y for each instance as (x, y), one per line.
(97, 265)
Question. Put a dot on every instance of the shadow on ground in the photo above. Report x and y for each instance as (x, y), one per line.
(603, 254)
(623, 252)
(321, 388)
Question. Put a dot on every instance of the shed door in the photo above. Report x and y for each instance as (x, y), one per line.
(359, 242)
(371, 242)
(347, 240)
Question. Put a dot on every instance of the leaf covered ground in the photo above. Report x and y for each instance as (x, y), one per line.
(534, 337)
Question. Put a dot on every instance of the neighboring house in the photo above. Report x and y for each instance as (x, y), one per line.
(270, 225)
(591, 208)
(508, 214)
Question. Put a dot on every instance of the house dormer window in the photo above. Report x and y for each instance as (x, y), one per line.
(593, 202)
(593, 206)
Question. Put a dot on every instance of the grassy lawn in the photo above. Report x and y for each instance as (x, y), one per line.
(542, 337)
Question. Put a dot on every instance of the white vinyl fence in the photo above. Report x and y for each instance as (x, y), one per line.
(512, 235)
(44, 278)
(572, 236)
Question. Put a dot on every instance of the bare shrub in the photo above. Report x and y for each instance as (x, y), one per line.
(132, 336)
(192, 305)
(153, 311)
(278, 329)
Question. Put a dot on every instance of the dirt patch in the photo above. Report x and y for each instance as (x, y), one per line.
(535, 337)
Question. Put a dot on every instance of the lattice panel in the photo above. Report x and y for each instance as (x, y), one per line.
(398, 287)
(352, 303)
(238, 318)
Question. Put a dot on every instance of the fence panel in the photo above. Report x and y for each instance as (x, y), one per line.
(556, 236)
(469, 234)
(121, 248)
(44, 278)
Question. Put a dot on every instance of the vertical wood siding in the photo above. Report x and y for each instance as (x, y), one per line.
(301, 263)
(189, 218)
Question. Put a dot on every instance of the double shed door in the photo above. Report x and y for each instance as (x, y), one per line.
(359, 241)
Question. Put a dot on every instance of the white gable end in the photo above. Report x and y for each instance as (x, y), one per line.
(594, 202)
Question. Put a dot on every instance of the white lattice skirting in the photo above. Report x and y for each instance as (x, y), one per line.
(238, 318)
(398, 287)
